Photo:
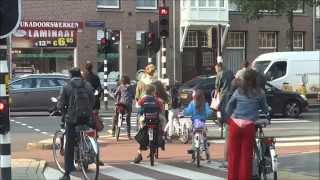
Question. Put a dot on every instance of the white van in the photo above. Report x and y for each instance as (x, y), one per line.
(291, 69)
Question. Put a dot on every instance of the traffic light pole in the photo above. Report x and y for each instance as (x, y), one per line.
(105, 76)
(5, 144)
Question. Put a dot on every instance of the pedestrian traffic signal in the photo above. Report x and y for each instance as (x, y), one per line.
(4, 115)
(9, 16)
(164, 22)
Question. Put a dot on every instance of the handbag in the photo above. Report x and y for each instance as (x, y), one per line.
(98, 122)
(215, 102)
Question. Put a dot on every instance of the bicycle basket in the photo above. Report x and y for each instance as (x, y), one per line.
(198, 124)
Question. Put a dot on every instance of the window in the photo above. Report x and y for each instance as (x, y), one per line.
(146, 4)
(318, 11)
(298, 38)
(207, 59)
(24, 84)
(108, 4)
(277, 70)
(202, 3)
(203, 39)
(300, 8)
(235, 40)
(267, 40)
(191, 39)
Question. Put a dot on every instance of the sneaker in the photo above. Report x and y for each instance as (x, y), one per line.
(65, 177)
(137, 159)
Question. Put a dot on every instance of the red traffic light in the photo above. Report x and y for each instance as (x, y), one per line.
(163, 11)
(2, 106)
(104, 41)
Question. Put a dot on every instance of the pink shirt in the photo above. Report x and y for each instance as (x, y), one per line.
(242, 123)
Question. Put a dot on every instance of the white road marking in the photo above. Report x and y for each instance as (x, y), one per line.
(12, 120)
(30, 127)
(180, 172)
(38, 130)
(122, 174)
(23, 124)
(313, 143)
(18, 122)
(289, 121)
(45, 133)
(304, 138)
(213, 165)
(51, 173)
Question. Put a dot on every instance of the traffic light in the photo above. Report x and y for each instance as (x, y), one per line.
(164, 22)
(151, 37)
(4, 115)
(9, 16)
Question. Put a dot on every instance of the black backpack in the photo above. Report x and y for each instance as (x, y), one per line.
(79, 110)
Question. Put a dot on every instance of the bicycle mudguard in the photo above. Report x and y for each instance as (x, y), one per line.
(94, 144)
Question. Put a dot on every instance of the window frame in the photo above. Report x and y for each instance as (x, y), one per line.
(239, 40)
(267, 46)
(273, 65)
(302, 40)
(147, 7)
(108, 6)
(194, 38)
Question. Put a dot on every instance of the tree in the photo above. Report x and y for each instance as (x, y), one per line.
(255, 9)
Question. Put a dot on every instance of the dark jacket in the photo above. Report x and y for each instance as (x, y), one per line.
(65, 93)
(96, 85)
(125, 95)
(223, 83)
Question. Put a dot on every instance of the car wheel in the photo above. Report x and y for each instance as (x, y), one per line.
(292, 109)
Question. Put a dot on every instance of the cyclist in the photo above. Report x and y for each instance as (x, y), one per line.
(76, 102)
(124, 96)
(198, 109)
(153, 106)
(244, 106)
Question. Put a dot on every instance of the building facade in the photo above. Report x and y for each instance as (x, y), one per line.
(128, 19)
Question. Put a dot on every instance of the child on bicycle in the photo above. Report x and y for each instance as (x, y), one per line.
(151, 107)
(124, 97)
(198, 109)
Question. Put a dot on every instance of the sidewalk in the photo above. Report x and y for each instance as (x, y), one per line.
(28, 169)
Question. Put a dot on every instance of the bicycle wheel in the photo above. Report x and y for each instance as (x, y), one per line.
(198, 157)
(185, 134)
(152, 154)
(58, 149)
(118, 127)
(89, 157)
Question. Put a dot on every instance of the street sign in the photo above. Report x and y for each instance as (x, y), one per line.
(97, 24)
(10, 15)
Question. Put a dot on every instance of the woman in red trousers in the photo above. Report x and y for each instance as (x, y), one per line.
(243, 109)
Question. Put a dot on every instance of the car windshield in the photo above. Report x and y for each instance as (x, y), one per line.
(261, 66)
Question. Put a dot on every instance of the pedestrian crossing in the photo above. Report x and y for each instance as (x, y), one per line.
(287, 141)
(143, 171)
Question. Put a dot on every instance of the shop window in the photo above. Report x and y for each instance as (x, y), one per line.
(191, 39)
(207, 59)
(267, 40)
(146, 4)
(108, 3)
(235, 40)
(298, 40)
(277, 70)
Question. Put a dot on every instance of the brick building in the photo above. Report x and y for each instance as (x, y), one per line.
(129, 18)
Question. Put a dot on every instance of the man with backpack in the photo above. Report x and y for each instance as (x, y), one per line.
(76, 102)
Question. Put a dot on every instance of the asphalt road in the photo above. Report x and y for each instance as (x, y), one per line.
(30, 128)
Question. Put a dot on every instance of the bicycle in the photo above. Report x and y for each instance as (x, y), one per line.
(153, 135)
(86, 151)
(265, 154)
(181, 128)
(121, 111)
(199, 141)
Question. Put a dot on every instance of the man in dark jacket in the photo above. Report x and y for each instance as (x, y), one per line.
(63, 105)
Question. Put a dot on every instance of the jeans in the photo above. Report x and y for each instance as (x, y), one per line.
(71, 137)
(240, 151)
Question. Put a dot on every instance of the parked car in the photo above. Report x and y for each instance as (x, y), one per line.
(33, 92)
(206, 84)
(289, 104)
